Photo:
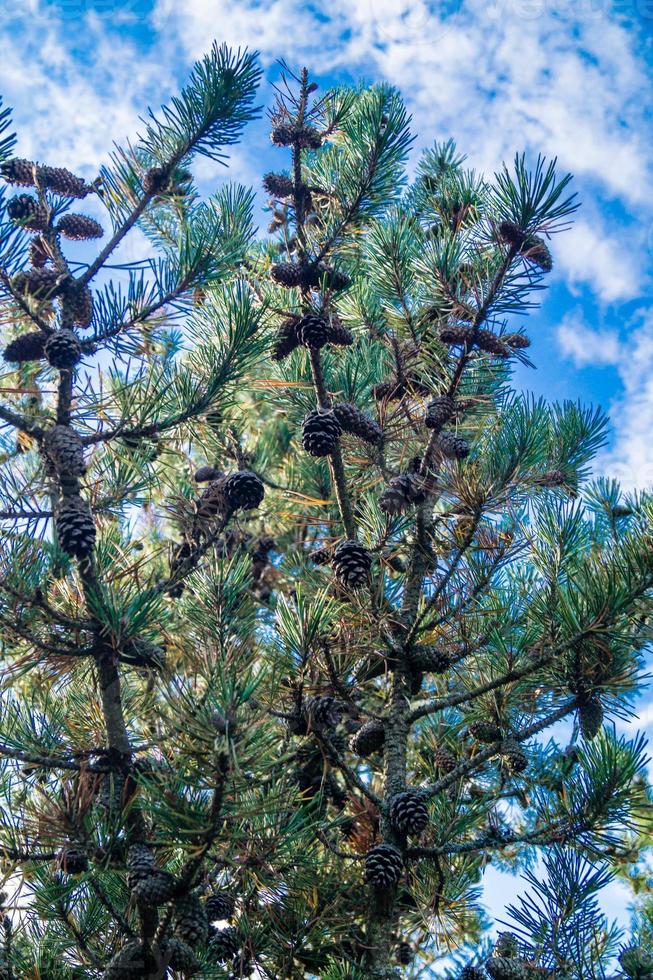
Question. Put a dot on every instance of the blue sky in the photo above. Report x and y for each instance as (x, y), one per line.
(571, 78)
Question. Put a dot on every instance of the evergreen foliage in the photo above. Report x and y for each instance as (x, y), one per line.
(307, 615)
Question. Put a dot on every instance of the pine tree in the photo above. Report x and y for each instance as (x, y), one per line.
(308, 616)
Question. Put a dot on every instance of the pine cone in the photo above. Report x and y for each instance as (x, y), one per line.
(155, 889)
(368, 739)
(508, 968)
(537, 251)
(439, 411)
(190, 921)
(65, 450)
(39, 252)
(516, 341)
(26, 347)
(452, 446)
(141, 652)
(79, 227)
(351, 564)
(408, 813)
(78, 304)
(278, 185)
(506, 944)
(457, 336)
(590, 717)
(405, 954)
(636, 962)
(511, 233)
(243, 490)
(327, 277)
(484, 731)
(488, 341)
(320, 432)
(140, 863)
(288, 274)
(63, 182)
(470, 972)
(286, 340)
(72, 860)
(17, 171)
(430, 660)
(313, 331)
(552, 478)
(40, 284)
(127, 964)
(177, 955)
(220, 905)
(212, 502)
(339, 334)
(259, 553)
(383, 865)
(207, 473)
(515, 757)
(322, 556)
(444, 760)
(62, 350)
(357, 423)
(323, 712)
(306, 137)
(283, 134)
(402, 492)
(75, 527)
(25, 210)
(389, 390)
(224, 944)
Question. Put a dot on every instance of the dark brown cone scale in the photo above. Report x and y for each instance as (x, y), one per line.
(408, 813)
(190, 920)
(320, 432)
(287, 339)
(25, 210)
(323, 711)
(358, 423)
(383, 865)
(452, 446)
(39, 283)
(287, 274)
(224, 944)
(18, 171)
(26, 347)
(351, 563)
(79, 227)
(484, 731)
(72, 860)
(438, 412)
(590, 717)
(313, 331)
(278, 185)
(220, 905)
(62, 350)
(75, 527)
(368, 739)
(514, 756)
(243, 490)
(65, 450)
(402, 492)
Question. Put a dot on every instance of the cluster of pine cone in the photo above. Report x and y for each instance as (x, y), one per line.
(45, 281)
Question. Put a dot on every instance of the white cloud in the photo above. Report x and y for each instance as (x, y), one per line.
(610, 262)
(584, 345)
(630, 458)
(498, 75)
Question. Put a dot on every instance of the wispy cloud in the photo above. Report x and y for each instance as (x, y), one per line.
(631, 458)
